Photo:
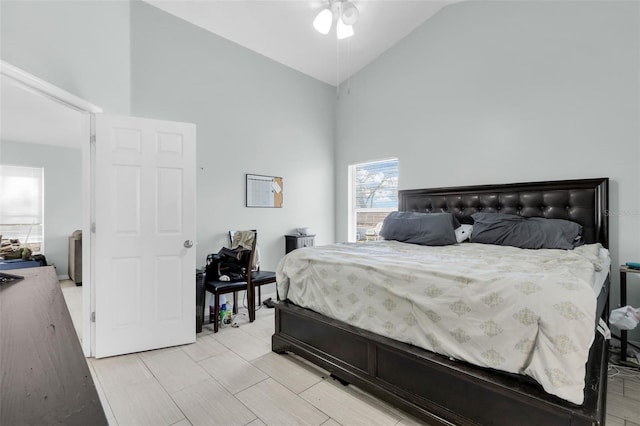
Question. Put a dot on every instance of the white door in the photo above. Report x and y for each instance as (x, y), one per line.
(144, 214)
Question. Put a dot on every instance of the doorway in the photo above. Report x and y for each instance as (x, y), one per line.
(162, 224)
(41, 120)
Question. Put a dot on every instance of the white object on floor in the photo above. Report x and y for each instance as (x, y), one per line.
(625, 318)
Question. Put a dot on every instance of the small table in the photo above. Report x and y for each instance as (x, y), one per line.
(624, 270)
(293, 242)
(199, 299)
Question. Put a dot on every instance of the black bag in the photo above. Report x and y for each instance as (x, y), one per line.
(231, 263)
(40, 259)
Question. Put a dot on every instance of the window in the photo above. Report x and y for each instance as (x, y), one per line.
(373, 193)
(21, 205)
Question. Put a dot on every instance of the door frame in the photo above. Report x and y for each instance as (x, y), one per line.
(36, 85)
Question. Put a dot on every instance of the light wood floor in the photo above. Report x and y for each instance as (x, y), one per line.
(233, 378)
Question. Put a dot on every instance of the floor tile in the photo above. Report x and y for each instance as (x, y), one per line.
(276, 405)
(615, 385)
(288, 371)
(308, 364)
(208, 403)
(120, 371)
(103, 398)
(67, 284)
(204, 347)
(132, 396)
(369, 399)
(142, 404)
(73, 297)
(242, 343)
(232, 371)
(263, 327)
(149, 354)
(345, 407)
(625, 408)
(632, 389)
(206, 330)
(614, 421)
(175, 370)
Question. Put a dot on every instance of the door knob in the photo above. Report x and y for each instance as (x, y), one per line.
(188, 243)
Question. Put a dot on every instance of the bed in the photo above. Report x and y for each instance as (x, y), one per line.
(442, 389)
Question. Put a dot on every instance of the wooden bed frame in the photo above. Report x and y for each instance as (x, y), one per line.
(433, 387)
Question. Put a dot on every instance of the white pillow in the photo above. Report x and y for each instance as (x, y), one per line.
(463, 232)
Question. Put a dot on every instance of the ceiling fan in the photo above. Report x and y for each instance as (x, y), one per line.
(344, 12)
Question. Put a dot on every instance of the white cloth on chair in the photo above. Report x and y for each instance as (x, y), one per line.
(244, 240)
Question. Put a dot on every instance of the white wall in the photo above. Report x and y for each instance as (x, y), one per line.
(496, 92)
(63, 201)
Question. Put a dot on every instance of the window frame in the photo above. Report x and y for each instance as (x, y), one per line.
(353, 210)
(25, 235)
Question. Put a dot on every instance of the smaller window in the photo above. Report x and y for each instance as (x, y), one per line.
(373, 194)
(21, 205)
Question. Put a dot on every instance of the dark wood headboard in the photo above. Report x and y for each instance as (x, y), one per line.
(584, 201)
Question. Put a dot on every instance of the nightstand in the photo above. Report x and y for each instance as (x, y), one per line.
(624, 270)
(298, 241)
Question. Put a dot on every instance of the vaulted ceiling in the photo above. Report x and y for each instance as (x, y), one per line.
(282, 30)
(278, 29)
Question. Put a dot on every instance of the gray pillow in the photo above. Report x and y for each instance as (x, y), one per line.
(428, 229)
(528, 233)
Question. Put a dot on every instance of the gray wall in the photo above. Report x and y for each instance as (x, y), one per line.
(63, 189)
(495, 92)
(79, 46)
(82, 47)
(253, 115)
(485, 92)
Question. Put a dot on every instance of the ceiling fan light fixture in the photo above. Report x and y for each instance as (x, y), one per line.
(349, 13)
(343, 30)
(323, 21)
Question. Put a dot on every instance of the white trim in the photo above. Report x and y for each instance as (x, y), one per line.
(375, 210)
(351, 217)
(36, 85)
(88, 243)
(353, 211)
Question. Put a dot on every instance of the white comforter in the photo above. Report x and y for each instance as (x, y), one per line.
(529, 312)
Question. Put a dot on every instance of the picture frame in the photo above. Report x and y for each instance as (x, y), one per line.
(263, 191)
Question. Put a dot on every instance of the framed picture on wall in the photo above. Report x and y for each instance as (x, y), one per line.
(263, 191)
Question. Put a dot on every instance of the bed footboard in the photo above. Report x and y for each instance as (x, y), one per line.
(430, 386)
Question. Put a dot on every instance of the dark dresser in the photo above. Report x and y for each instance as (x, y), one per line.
(293, 242)
(45, 376)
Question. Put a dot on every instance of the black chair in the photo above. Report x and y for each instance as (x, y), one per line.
(217, 288)
(258, 277)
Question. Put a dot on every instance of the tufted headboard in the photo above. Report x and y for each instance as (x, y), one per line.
(584, 201)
